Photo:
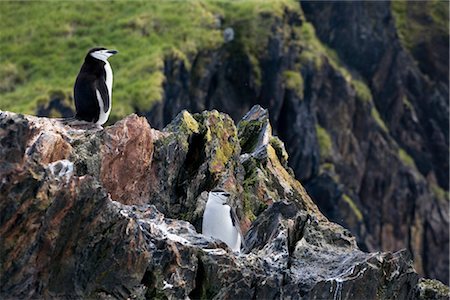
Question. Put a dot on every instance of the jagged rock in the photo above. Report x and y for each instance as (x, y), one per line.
(431, 289)
(69, 232)
(192, 155)
(126, 160)
(365, 120)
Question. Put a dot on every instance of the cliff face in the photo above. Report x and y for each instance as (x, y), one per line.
(116, 213)
(364, 117)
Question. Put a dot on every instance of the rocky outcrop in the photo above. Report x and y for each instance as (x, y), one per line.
(364, 119)
(115, 213)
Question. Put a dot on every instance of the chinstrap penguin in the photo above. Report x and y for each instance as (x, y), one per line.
(93, 87)
(220, 220)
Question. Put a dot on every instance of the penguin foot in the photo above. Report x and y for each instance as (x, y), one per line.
(80, 124)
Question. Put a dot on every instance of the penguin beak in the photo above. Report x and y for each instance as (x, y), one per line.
(112, 52)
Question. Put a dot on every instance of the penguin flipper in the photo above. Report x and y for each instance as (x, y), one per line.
(237, 225)
(100, 85)
(86, 103)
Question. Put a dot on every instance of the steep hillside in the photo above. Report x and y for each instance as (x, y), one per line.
(358, 92)
(44, 44)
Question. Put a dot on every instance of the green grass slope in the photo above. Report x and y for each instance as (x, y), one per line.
(43, 44)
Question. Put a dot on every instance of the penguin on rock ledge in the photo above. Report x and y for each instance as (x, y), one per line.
(93, 87)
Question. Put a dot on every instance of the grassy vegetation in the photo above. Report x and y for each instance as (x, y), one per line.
(294, 81)
(362, 90)
(325, 143)
(421, 20)
(406, 158)
(439, 192)
(314, 51)
(376, 116)
(43, 44)
(353, 206)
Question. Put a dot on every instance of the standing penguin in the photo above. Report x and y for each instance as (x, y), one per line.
(220, 220)
(93, 87)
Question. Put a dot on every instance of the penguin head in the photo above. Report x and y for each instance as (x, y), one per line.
(219, 196)
(101, 53)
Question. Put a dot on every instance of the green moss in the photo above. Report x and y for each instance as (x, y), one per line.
(325, 143)
(330, 170)
(432, 289)
(184, 123)
(362, 90)
(439, 12)
(327, 167)
(440, 193)
(419, 22)
(376, 116)
(248, 134)
(189, 122)
(353, 206)
(314, 52)
(248, 211)
(294, 81)
(312, 48)
(280, 150)
(221, 132)
(407, 103)
(53, 37)
(406, 158)
(250, 185)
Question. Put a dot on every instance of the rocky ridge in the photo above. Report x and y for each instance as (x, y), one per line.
(115, 213)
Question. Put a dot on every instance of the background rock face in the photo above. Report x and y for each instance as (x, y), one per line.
(67, 231)
(364, 118)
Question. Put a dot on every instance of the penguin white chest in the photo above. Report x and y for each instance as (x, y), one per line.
(109, 79)
(103, 117)
(217, 223)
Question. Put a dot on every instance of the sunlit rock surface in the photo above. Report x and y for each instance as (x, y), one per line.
(117, 213)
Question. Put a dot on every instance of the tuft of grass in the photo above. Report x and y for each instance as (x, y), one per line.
(406, 158)
(314, 52)
(325, 143)
(376, 116)
(363, 92)
(294, 81)
(439, 192)
(417, 22)
(353, 206)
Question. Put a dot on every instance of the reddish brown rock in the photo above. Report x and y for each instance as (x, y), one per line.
(126, 159)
